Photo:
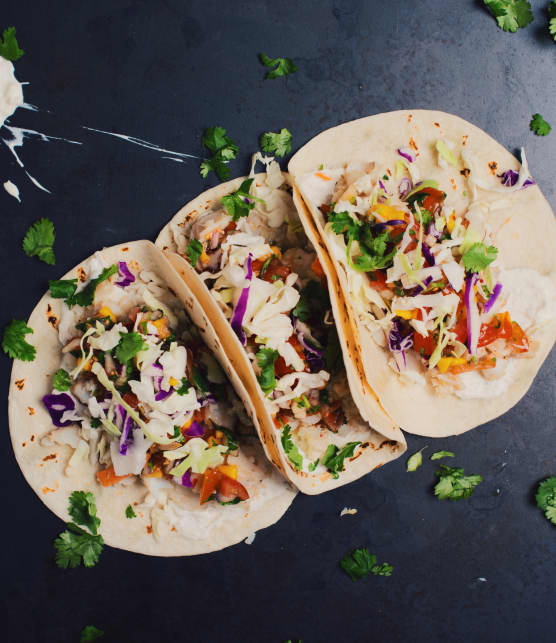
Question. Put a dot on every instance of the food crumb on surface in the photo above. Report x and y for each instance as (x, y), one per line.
(249, 540)
(348, 512)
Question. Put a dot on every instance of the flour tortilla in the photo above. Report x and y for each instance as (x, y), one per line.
(386, 441)
(209, 527)
(526, 238)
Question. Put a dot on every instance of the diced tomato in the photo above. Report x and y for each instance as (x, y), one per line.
(232, 488)
(132, 315)
(377, 280)
(257, 265)
(499, 327)
(275, 270)
(427, 344)
(433, 201)
(131, 399)
(519, 341)
(107, 477)
(333, 416)
(280, 366)
(211, 478)
(281, 419)
(479, 365)
(317, 269)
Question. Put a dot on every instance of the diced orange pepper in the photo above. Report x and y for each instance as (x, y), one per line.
(161, 326)
(107, 477)
(323, 176)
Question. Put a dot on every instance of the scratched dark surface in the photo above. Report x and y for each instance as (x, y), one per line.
(163, 71)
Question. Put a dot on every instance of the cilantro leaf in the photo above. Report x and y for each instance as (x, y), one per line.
(415, 461)
(284, 67)
(342, 222)
(313, 302)
(83, 510)
(62, 288)
(61, 380)
(478, 257)
(360, 563)
(277, 143)
(13, 341)
(231, 440)
(86, 296)
(129, 512)
(382, 570)
(9, 47)
(76, 545)
(453, 484)
(546, 498)
(333, 458)
(90, 633)
(193, 251)
(442, 454)
(510, 15)
(38, 241)
(130, 344)
(314, 465)
(184, 388)
(290, 448)
(223, 149)
(539, 126)
(200, 381)
(240, 203)
(265, 359)
(552, 18)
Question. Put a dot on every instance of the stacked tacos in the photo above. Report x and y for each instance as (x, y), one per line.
(443, 246)
(126, 399)
(268, 286)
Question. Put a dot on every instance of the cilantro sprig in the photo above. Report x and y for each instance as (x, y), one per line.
(14, 344)
(193, 251)
(61, 380)
(277, 143)
(283, 66)
(539, 126)
(9, 47)
(453, 484)
(90, 633)
(130, 344)
(478, 257)
(333, 458)
(546, 498)
(240, 203)
(223, 151)
(290, 448)
(360, 563)
(65, 288)
(510, 15)
(38, 241)
(266, 358)
(75, 544)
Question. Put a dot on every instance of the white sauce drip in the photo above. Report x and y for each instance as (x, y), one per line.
(11, 93)
(12, 190)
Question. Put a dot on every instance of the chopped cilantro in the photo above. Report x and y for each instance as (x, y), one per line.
(13, 341)
(231, 440)
(265, 359)
(342, 222)
(539, 126)
(510, 15)
(478, 257)
(284, 66)
(63, 288)
(184, 388)
(552, 18)
(90, 633)
(240, 203)
(314, 465)
(290, 448)
(200, 381)
(223, 151)
(277, 143)
(415, 461)
(129, 512)
(130, 344)
(39, 240)
(9, 47)
(437, 455)
(75, 545)
(360, 563)
(193, 251)
(230, 502)
(61, 380)
(426, 218)
(546, 498)
(333, 458)
(454, 484)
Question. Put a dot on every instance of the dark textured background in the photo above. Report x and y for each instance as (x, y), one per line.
(163, 71)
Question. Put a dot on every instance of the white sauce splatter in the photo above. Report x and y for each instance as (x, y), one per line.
(12, 190)
(249, 540)
(348, 512)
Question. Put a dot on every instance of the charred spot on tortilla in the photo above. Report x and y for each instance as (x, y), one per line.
(492, 166)
(125, 249)
(453, 182)
(46, 490)
(33, 438)
(409, 117)
(391, 443)
(81, 274)
(149, 529)
(364, 445)
(465, 172)
(413, 144)
(20, 384)
(464, 139)
(51, 317)
(436, 124)
(50, 456)
(31, 410)
(24, 444)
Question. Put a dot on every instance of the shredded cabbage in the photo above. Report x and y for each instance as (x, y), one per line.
(199, 456)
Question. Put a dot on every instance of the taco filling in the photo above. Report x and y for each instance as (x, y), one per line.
(424, 273)
(138, 394)
(252, 254)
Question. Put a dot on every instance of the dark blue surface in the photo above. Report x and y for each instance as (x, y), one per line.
(163, 71)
